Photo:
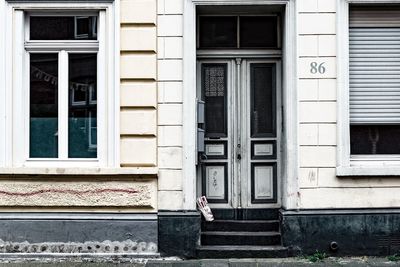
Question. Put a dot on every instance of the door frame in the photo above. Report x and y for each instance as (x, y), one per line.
(289, 180)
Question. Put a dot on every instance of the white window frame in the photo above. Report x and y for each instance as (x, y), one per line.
(15, 134)
(3, 107)
(347, 164)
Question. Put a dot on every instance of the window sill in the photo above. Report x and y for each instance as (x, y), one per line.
(368, 171)
(147, 171)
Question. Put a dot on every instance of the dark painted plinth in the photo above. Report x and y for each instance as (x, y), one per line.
(356, 232)
(178, 233)
(73, 233)
(77, 227)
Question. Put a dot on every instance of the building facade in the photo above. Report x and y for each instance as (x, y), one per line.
(115, 116)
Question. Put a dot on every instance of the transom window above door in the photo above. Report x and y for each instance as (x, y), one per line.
(233, 32)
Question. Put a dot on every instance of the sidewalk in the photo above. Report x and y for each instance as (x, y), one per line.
(286, 262)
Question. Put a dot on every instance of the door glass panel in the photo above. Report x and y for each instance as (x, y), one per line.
(258, 32)
(63, 28)
(43, 134)
(82, 122)
(262, 100)
(214, 84)
(217, 32)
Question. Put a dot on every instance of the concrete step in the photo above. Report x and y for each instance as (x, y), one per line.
(241, 225)
(221, 252)
(240, 238)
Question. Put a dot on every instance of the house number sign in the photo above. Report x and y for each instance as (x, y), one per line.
(316, 68)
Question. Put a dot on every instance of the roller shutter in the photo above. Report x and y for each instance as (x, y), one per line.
(374, 50)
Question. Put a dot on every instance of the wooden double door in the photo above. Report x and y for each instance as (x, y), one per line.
(240, 165)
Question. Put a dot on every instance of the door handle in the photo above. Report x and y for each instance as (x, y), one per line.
(239, 150)
(203, 157)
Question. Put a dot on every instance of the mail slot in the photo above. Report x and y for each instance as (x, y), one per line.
(200, 140)
(200, 111)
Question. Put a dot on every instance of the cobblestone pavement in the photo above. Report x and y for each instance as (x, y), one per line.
(174, 262)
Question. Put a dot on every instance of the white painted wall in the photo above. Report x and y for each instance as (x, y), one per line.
(151, 107)
(169, 79)
(319, 185)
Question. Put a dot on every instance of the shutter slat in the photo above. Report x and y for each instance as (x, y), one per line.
(374, 54)
(374, 80)
(373, 99)
(373, 68)
(383, 107)
(366, 94)
(371, 73)
(379, 87)
(373, 59)
(374, 64)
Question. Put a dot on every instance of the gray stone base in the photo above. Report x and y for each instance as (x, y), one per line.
(163, 262)
(78, 233)
(179, 233)
(343, 232)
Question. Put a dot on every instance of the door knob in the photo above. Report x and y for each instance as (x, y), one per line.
(203, 157)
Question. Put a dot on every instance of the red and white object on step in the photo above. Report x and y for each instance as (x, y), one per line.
(205, 209)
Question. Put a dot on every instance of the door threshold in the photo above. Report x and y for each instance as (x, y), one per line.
(246, 214)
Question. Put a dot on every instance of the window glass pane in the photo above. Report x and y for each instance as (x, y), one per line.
(262, 100)
(43, 134)
(214, 95)
(258, 31)
(218, 32)
(63, 28)
(375, 139)
(82, 123)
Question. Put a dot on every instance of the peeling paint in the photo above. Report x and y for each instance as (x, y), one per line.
(128, 246)
(78, 194)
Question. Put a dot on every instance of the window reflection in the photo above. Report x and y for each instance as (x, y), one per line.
(374, 139)
(251, 35)
(43, 106)
(218, 32)
(82, 121)
(63, 28)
